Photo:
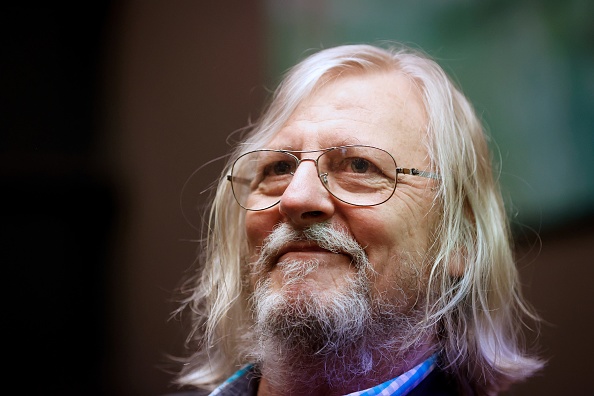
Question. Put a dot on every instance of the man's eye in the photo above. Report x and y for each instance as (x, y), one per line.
(282, 168)
(279, 168)
(360, 165)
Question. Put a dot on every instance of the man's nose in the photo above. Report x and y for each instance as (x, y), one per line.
(306, 200)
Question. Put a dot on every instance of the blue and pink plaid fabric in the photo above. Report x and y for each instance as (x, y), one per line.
(402, 384)
(398, 386)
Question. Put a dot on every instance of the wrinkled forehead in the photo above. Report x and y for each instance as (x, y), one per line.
(382, 109)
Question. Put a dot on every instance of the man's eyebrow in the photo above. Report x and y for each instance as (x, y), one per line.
(284, 148)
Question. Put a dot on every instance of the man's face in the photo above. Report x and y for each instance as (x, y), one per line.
(382, 110)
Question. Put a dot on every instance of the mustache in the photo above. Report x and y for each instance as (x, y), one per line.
(334, 239)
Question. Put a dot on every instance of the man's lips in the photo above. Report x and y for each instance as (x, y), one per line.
(302, 249)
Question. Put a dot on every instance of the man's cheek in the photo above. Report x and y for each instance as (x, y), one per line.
(256, 230)
(374, 235)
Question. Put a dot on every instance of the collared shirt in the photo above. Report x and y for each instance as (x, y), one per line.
(398, 386)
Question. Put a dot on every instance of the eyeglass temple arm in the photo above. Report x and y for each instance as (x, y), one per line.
(416, 172)
(236, 179)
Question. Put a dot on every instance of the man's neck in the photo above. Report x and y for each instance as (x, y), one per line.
(308, 381)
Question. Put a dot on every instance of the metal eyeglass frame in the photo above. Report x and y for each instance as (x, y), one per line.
(324, 176)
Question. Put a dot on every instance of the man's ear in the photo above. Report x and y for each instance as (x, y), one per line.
(457, 263)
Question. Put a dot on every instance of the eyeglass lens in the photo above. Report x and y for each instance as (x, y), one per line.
(358, 175)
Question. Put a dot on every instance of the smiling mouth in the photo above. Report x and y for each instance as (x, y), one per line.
(304, 251)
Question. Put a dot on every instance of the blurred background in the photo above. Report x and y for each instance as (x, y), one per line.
(114, 118)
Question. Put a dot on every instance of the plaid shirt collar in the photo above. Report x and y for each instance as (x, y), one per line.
(402, 384)
(242, 382)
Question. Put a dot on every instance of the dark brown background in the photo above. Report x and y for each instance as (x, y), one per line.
(106, 112)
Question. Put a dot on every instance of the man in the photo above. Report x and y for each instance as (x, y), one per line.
(358, 243)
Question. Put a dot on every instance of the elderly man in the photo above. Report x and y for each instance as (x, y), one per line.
(358, 243)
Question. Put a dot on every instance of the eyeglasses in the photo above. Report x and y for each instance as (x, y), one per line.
(357, 175)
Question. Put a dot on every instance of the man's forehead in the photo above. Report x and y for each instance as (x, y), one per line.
(381, 109)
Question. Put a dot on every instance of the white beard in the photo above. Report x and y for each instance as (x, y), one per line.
(333, 336)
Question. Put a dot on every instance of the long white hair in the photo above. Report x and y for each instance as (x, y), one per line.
(474, 297)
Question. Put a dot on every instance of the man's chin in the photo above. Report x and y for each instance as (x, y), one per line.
(306, 294)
